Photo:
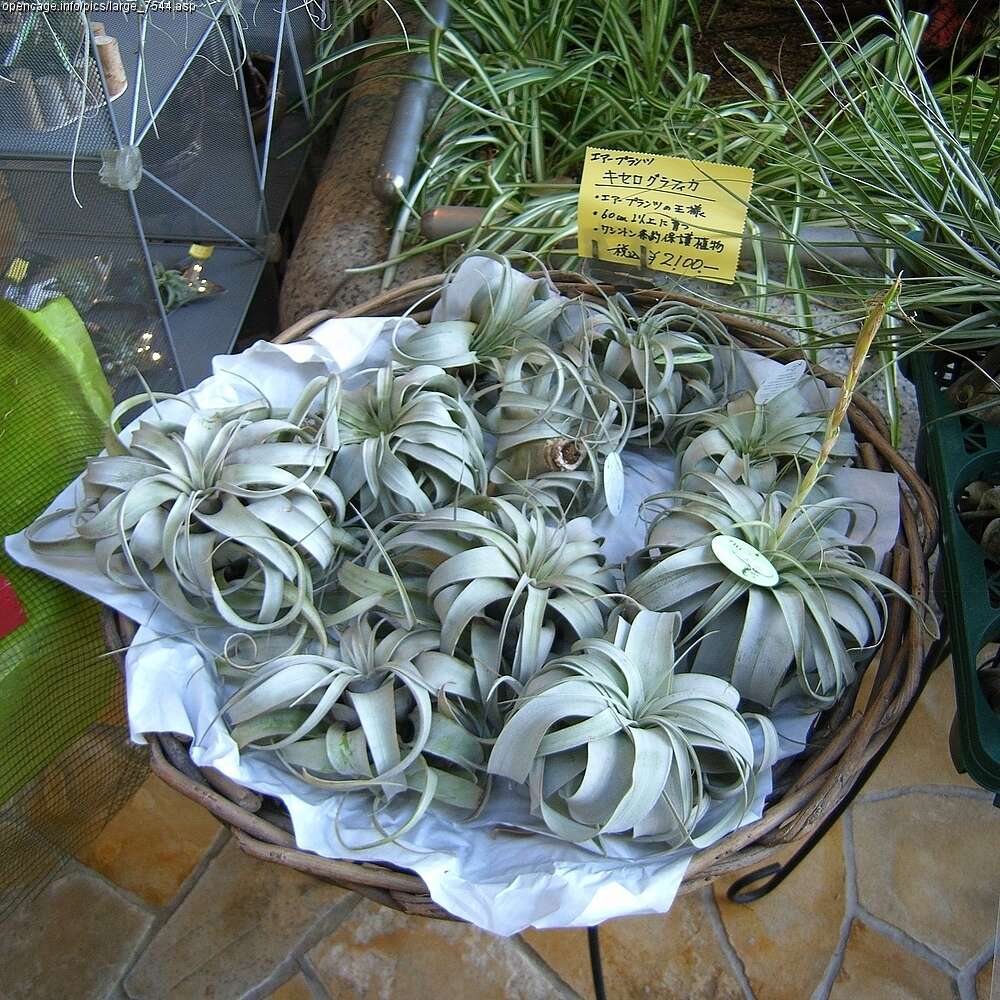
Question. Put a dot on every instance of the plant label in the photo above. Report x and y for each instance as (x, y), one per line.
(745, 561)
(663, 213)
(787, 378)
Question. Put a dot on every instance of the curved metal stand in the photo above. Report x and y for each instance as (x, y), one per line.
(596, 968)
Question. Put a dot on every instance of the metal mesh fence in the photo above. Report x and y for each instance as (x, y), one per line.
(202, 150)
(46, 90)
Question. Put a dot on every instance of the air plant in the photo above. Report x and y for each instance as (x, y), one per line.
(504, 582)
(559, 433)
(507, 311)
(658, 362)
(764, 436)
(362, 717)
(771, 588)
(409, 443)
(227, 516)
(613, 741)
(780, 608)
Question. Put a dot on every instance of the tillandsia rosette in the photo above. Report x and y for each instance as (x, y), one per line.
(381, 711)
(227, 516)
(409, 443)
(507, 310)
(777, 599)
(612, 740)
(505, 584)
(559, 434)
(658, 362)
(761, 437)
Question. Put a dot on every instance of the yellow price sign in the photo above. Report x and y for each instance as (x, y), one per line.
(663, 212)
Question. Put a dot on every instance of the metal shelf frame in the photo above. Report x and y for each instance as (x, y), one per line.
(204, 177)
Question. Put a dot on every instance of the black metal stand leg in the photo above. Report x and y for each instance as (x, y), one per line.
(768, 878)
(596, 969)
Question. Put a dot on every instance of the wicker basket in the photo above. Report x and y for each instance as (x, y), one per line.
(806, 789)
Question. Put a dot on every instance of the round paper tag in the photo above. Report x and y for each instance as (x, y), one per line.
(745, 561)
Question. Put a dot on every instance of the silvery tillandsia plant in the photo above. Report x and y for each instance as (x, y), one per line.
(507, 310)
(559, 431)
(658, 361)
(771, 588)
(613, 741)
(362, 716)
(778, 607)
(760, 436)
(409, 443)
(227, 516)
(504, 582)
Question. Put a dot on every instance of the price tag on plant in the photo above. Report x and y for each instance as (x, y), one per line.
(664, 213)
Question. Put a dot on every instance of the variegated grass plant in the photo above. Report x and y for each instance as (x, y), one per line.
(781, 606)
(226, 516)
(504, 583)
(613, 741)
(657, 361)
(371, 714)
(761, 437)
(409, 443)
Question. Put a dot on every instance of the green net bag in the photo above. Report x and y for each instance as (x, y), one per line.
(65, 761)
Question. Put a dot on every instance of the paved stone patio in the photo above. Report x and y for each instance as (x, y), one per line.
(900, 900)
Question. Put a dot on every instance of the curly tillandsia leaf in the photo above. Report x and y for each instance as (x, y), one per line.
(780, 612)
(409, 443)
(761, 437)
(657, 362)
(227, 516)
(362, 718)
(556, 427)
(508, 310)
(503, 581)
(612, 741)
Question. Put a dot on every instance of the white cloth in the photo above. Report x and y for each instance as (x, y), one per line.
(501, 879)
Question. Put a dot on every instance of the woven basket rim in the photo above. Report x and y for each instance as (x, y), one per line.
(844, 740)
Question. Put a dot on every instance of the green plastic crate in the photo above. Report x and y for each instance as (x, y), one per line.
(957, 448)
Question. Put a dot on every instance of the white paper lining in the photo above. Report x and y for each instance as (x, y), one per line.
(499, 879)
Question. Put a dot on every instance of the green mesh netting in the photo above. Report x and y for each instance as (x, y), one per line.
(66, 764)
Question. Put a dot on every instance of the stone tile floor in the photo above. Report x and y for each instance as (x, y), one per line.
(900, 900)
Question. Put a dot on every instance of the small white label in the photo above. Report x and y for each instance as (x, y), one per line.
(780, 381)
(745, 561)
